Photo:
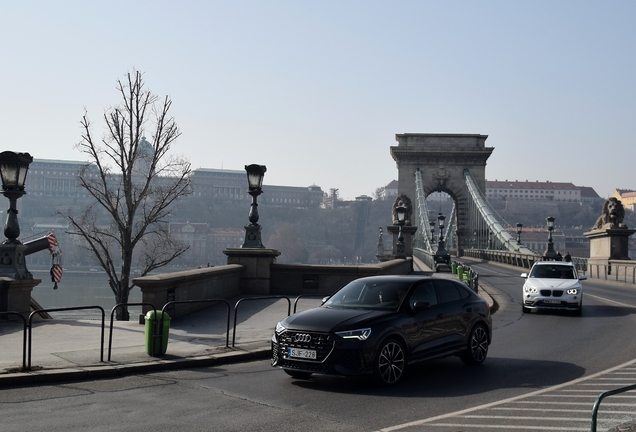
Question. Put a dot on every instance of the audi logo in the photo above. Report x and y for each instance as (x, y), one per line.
(302, 337)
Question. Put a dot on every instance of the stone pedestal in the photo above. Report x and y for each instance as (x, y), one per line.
(257, 263)
(15, 295)
(609, 244)
(408, 231)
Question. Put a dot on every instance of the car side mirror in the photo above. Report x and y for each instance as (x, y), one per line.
(582, 277)
(324, 300)
(421, 305)
(524, 275)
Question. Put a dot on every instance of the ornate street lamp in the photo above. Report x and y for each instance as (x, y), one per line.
(432, 232)
(13, 169)
(399, 247)
(474, 239)
(441, 246)
(440, 219)
(380, 242)
(255, 174)
(550, 254)
(519, 227)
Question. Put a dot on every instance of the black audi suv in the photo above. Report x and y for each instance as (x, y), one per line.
(379, 325)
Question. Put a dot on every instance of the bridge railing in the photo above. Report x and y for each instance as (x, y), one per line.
(505, 257)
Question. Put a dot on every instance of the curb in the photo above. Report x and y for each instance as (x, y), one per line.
(259, 352)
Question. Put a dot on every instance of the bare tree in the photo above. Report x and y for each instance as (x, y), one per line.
(134, 183)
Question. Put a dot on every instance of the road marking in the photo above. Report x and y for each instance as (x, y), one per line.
(509, 400)
(610, 301)
(509, 427)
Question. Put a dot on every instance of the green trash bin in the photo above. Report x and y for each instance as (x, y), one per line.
(156, 333)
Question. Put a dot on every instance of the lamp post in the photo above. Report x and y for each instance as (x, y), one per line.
(550, 254)
(255, 174)
(441, 246)
(380, 243)
(474, 239)
(519, 226)
(13, 169)
(399, 247)
(432, 232)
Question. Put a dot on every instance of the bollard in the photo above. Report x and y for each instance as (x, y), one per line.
(460, 272)
(454, 267)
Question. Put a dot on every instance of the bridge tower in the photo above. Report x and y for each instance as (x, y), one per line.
(442, 159)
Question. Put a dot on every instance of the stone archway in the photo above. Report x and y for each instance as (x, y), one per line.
(442, 159)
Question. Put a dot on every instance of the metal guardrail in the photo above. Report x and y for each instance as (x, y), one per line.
(28, 336)
(602, 396)
(24, 335)
(112, 312)
(227, 304)
(256, 298)
(308, 296)
(29, 326)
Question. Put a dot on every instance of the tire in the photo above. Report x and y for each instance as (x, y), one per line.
(390, 362)
(477, 348)
(525, 309)
(297, 374)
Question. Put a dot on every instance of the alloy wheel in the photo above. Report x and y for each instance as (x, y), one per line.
(391, 362)
(477, 347)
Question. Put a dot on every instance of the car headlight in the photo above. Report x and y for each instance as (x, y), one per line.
(531, 290)
(279, 328)
(361, 334)
(572, 291)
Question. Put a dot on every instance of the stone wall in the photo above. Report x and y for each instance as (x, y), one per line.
(288, 279)
(221, 282)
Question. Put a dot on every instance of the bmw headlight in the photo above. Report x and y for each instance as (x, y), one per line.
(279, 328)
(572, 291)
(530, 290)
(361, 334)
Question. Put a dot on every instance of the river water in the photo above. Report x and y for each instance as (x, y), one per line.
(80, 288)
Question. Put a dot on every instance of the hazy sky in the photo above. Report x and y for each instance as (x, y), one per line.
(317, 90)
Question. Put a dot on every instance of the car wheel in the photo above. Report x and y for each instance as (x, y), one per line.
(477, 348)
(525, 309)
(390, 363)
(297, 374)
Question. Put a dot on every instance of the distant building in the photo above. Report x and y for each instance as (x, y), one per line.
(220, 185)
(195, 235)
(533, 191)
(330, 201)
(60, 178)
(627, 197)
(536, 239)
(54, 178)
(221, 239)
(389, 191)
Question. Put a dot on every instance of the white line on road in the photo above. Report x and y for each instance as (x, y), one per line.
(508, 400)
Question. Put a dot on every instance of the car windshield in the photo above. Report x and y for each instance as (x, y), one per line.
(555, 271)
(360, 294)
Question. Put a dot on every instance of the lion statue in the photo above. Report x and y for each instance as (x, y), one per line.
(612, 215)
(402, 200)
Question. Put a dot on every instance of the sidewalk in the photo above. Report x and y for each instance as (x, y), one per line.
(69, 350)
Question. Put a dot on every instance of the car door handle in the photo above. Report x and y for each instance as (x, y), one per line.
(469, 309)
(440, 315)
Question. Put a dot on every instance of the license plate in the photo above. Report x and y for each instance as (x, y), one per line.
(301, 353)
(553, 301)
